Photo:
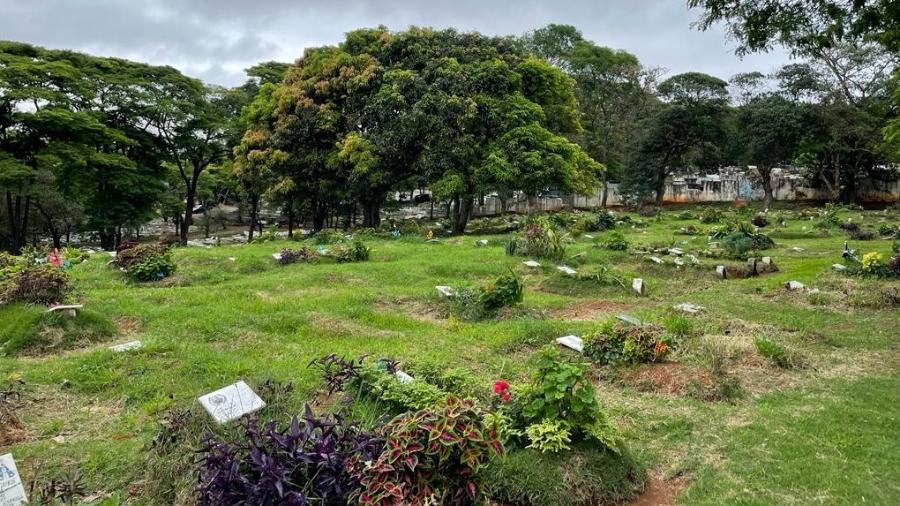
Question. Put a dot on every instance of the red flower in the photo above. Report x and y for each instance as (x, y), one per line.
(501, 388)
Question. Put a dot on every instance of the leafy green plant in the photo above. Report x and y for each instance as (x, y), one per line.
(540, 240)
(616, 241)
(154, 268)
(432, 456)
(355, 252)
(622, 343)
(35, 285)
(505, 291)
(548, 436)
(710, 215)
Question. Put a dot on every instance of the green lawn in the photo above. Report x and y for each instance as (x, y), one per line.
(823, 434)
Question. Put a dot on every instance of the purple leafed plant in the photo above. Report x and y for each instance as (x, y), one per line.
(303, 464)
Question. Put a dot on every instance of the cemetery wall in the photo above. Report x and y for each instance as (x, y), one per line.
(726, 186)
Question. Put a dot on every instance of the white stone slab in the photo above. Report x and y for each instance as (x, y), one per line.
(402, 377)
(531, 264)
(482, 242)
(839, 267)
(694, 260)
(794, 285)
(797, 249)
(676, 252)
(445, 291)
(70, 309)
(568, 271)
(12, 491)
(679, 262)
(232, 259)
(637, 284)
(688, 307)
(129, 346)
(629, 320)
(720, 270)
(276, 256)
(113, 254)
(571, 342)
(588, 236)
(656, 260)
(231, 402)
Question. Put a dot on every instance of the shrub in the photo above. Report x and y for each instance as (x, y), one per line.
(540, 240)
(303, 254)
(710, 215)
(616, 242)
(622, 343)
(356, 252)
(432, 456)
(689, 230)
(146, 262)
(306, 463)
(605, 220)
(36, 285)
(861, 234)
(685, 215)
(548, 436)
(777, 354)
(760, 220)
(477, 303)
(888, 230)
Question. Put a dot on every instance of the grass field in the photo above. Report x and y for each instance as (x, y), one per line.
(827, 432)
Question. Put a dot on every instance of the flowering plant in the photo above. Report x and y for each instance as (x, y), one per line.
(501, 389)
(872, 260)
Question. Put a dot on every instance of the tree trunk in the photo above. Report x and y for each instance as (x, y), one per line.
(108, 239)
(254, 211)
(462, 210)
(660, 190)
(765, 174)
(604, 192)
(372, 211)
(290, 217)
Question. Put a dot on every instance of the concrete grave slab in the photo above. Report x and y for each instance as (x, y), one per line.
(566, 270)
(12, 490)
(571, 342)
(129, 346)
(231, 402)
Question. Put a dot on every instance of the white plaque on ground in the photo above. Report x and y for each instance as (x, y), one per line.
(276, 256)
(531, 264)
(573, 342)
(231, 402)
(402, 377)
(568, 271)
(129, 346)
(445, 291)
(12, 492)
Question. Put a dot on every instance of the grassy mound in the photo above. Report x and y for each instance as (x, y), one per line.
(586, 475)
(28, 329)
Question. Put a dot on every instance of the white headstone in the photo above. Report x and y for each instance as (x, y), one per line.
(12, 491)
(656, 260)
(688, 307)
(482, 242)
(720, 270)
(588, 236)
(129, 346)
(112, 254)
(694, 260)
(839, 267)
(797, 249)
(276, 256)
(70, 310)
(531, 264)
(572, 342)
(232, 259)
(794, 285)
(402, 377)
(445, 291)
(676, 252)
(679, 262)
(568, 271)
(637, 284)
(231, 402)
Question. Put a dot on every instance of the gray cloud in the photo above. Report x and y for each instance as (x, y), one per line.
(215, 39)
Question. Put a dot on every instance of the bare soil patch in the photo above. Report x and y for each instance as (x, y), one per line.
(659, 492)
(591, 309)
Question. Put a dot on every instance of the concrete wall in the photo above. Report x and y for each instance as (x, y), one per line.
(727, 186)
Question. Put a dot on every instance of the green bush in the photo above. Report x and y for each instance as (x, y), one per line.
(485, 301)
(303, 254)
(153, 268)
(548, 436)
(622, 343)
(616, 241)
(710, 215)
(355, 252)
(540, 240)
(40, 284)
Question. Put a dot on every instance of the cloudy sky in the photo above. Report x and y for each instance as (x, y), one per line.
(216, 39)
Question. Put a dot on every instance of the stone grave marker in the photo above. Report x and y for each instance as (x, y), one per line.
(12, 491)
(751, 267)
(402, 377)
(566, 270)
(571, 342)
(676, 252)
(68, 310)
(656, 260)
(445, 291)
(129, 346)
(631, 320)
(588, 236)
(679, 262)
(794, 285)
(531, 264)
(231, 402)
(721, 272)
(687, 307)
(839, 267)
(797, 249)
(276, 256)
(693, 259)
(637, 284)
(482, 242)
